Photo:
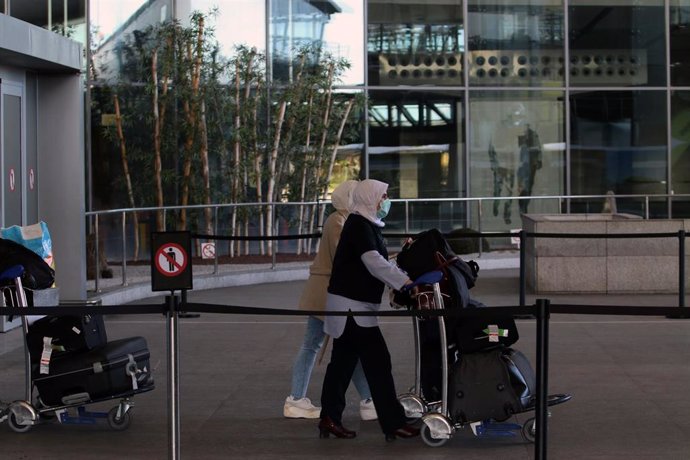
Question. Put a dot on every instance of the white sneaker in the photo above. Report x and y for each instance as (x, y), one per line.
(367, 410)
(300, 408)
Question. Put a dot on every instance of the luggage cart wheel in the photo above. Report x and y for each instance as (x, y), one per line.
(429, 441)
(529, 430)
(16, 426)
(119, 420)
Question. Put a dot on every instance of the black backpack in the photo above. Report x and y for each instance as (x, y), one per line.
(430, 251)
(37, 273)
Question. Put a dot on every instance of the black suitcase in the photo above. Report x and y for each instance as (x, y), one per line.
(489, 385)
(522, 377)
(68, 333)
(475, 334)
(119, 368)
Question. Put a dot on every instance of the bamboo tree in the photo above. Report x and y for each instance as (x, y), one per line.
(125, 170)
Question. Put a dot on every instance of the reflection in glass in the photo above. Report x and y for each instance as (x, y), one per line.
(112, 24)
(618, 144)
(620, 45)
(515, 43)
(415, 43)
(680, 153)
(680, 42)
(415, 145)
(228, 13)
(328, 25)
(517, 146)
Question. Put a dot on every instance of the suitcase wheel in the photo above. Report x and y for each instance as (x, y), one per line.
(117, 420)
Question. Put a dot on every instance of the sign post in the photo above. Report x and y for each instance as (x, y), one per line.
(171, 269)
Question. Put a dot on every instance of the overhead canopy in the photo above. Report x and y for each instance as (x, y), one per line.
(31, 47)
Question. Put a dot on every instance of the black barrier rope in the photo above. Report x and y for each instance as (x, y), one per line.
(516, 311)
(255, 238)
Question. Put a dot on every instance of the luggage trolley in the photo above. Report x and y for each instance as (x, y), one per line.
(438, 423)
(22, 415)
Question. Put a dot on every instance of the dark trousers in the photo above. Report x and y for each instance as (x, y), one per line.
(368, 345)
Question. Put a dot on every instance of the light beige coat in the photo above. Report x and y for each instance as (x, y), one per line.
(314, 294)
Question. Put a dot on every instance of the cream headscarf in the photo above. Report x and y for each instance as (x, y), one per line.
(341, 198)
(366, 198)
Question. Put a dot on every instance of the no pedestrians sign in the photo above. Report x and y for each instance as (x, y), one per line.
(171, 267)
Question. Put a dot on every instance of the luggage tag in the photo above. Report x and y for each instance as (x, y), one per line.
(494, 332)
(45, 355)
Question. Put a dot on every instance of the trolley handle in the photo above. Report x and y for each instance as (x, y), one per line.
(432, 277)
(11, 273)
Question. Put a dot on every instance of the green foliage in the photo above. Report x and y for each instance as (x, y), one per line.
(241, 111)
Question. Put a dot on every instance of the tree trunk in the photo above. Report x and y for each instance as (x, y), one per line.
(158, 118)
(270, 193)
(128, 178)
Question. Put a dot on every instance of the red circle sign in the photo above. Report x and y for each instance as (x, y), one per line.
(171, 259)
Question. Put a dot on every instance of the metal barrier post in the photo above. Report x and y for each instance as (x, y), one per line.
(173, 379)
(215, 242)
(479, 225)
(541, 409)
(124, 248)
(523, 281)
(97, 273)
(681, 268)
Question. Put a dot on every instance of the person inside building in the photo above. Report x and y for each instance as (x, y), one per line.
(360, 271)
(297, 405)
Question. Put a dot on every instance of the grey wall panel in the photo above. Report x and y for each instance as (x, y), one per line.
(61, 192)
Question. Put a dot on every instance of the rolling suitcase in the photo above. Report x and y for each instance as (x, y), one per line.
(67, 333)
(116, 369)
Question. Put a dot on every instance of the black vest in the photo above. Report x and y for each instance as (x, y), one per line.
(350, 277)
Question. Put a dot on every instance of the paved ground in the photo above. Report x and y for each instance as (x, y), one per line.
(629, 377)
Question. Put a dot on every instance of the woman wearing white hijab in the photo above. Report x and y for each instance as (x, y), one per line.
(297, 405)
(360, 271)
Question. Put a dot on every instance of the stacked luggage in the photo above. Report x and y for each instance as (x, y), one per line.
(70, 362)
(487, 379)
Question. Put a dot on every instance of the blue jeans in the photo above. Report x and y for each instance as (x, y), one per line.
(304, 363)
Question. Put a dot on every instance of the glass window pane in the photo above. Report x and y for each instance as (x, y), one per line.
(416, 146)
(619, 43)
(680, 153)
(334, 27)
(618, 144)
(415, 43)
(227, 14)
(112, 24)
(515, 43)
(680, 42)
(517, 146)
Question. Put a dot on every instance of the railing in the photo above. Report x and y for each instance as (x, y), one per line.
(413, 216)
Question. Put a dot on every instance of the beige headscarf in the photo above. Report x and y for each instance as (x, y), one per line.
(341, 198)
(366, 198)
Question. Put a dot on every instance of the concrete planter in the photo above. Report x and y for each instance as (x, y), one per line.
(602, 265)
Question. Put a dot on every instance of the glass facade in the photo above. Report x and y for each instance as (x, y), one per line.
(517, 149)
(515, 43)
(476, 98)
(618, 144)
(619, 43)
(415, 43)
